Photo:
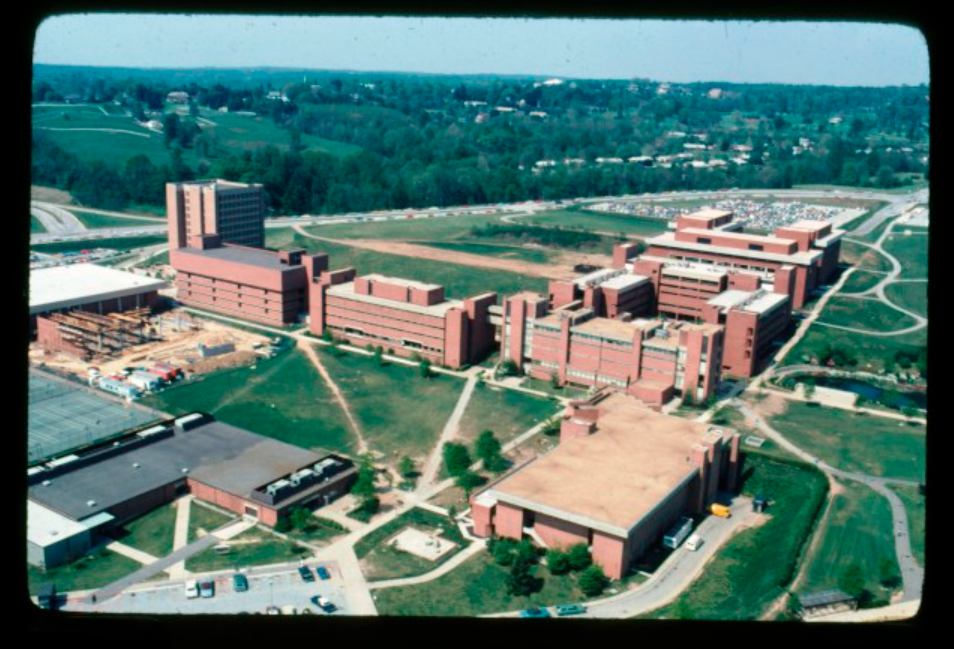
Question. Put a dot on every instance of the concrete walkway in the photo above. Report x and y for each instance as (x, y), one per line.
(181, 535)
(441, 570)
(433, 464)
(234, 529)
(136, 555)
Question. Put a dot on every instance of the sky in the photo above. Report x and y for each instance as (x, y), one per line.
(822, 53)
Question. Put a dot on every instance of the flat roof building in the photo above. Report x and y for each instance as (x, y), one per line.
(405, 316)
(620, 477)
(233, 468)
(90, 287)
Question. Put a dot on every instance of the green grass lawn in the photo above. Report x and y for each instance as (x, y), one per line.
(153, 532)
(565, 391)
(865, 314)
(862, 257)
(756, 565)
(119, 243)
(99, 568)
(507, 413)
(860, 281)
(95, 221)
(284, 398)
(35, 225)
(459, 281)
(399, 412)
(858, 529)
(634, 226)
(205, 519)
(856, 442)
(444, 228)
(381, 561)
(914, 506)
(912, 252)
(873, 353)
(475, 587)
(253, 547)
(319, 531)
(909, 295)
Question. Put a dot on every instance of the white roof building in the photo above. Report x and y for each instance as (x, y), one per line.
(64, 287)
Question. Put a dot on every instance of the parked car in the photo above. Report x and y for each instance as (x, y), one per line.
(570, 609)
(323, 572)
(273, 610)
(324, 604)
(191, 589)
(534, 612)
(306, 574)
(239, 582)
(207, 588)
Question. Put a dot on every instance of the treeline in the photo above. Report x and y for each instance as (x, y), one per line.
(556, 237)
(97, 184)
(433, 141)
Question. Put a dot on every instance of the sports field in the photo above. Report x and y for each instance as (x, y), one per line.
(856, 529)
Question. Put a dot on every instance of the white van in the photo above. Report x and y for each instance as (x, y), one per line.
(191, 589)
(694, 542)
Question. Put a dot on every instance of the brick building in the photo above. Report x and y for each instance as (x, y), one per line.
(234, 211)
(648, 358)
(621, 476)
(78, 498)
(402, 315)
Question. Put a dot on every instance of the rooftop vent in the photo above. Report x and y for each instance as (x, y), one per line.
(91, 503)
(185, 469)
(136, 465)
(47, 483)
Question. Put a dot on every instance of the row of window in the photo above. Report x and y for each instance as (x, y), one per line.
(396, 342)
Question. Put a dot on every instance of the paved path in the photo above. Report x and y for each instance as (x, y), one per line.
(443, 569)
(55, 219)
(102, 130)
(902, 611)
(433, 464)
(180, 537)
(136, 555)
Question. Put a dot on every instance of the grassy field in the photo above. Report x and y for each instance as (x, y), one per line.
(909, 295)
(35, 225)
(237, 133)
(756, 566)
(205, 519)
(912, 252)
(96, 570)
(862, 257)
(445, 228)
(873, 353)
(399, 412)
(914, 506)
(459, 281)
(865, 314)
(284, 398)
(860, 281)
(153, 532)
(96, 221)
(119, 243)
(633, 226)
(254, 547)
(857, 528)
(381, 561)
(476, 587)
(507, 413)
(856, 442)
(319, 531)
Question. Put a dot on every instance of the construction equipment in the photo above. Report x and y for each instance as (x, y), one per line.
(720, 510)
(97, 334)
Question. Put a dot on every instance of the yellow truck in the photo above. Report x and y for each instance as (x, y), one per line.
(720, 510)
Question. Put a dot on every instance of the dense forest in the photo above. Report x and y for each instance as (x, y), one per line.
(439, 141)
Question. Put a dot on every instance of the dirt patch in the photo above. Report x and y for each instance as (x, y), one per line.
(49, 195)
(181, 333)
(772, 405)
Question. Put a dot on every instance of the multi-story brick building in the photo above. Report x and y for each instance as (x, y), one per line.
(401, 315)
(235, 211)
(621, 476)
(610, 292)
(251, 283)
(649, 358)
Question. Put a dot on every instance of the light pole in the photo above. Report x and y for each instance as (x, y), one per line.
(271, 596)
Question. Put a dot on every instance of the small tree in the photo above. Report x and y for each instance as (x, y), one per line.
(555, 381)
(510, 368)
(558, 562)
(378, 356)
(503, 551)
(553, 425)
(593, 581)
(456, 458)
(468, 481)
(579, 557)
(301, 518)
(406, 467)
(887, 574)
(520, 581)
(852, 580)
(283, 525)
(487, 448)
(808, 390)
(327, 336)
(426, 369)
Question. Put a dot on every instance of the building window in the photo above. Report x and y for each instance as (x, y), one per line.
(703, 240)
(756, 246)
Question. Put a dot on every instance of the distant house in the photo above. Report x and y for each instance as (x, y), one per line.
(694, 146)
(615, 161)
(504, 109)
(715, 93)
(545, 163)
(835, 120)
(481, 118)
(643, 160)
(538, 113)
(579, 162)
(553, 82)
(177, 97)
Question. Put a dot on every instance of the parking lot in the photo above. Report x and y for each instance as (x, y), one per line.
(266, 587)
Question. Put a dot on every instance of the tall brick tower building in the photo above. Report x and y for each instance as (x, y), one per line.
(234, 211)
